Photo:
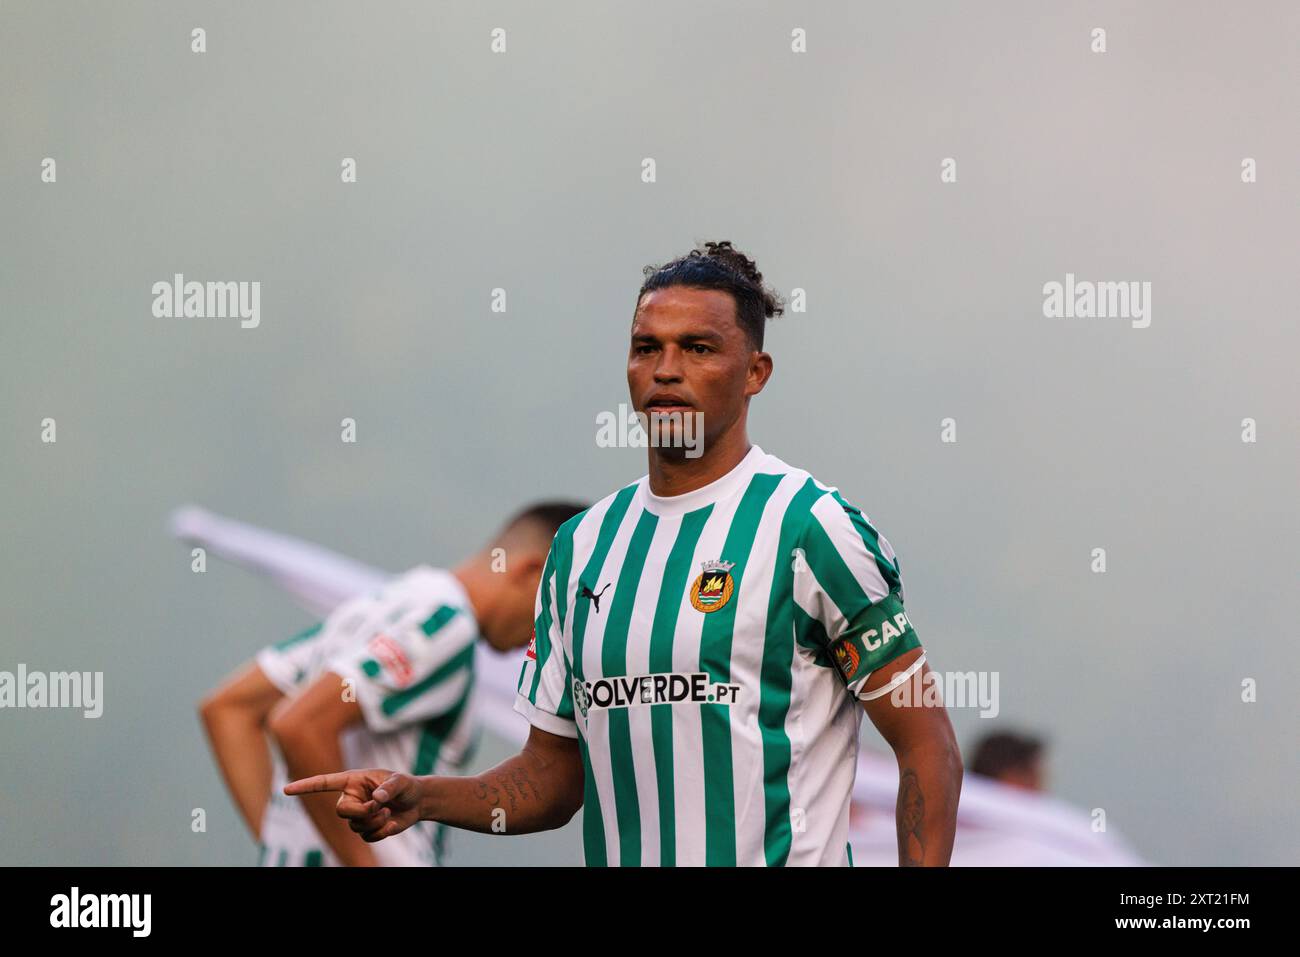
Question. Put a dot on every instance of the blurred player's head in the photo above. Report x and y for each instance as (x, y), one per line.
(1015, 759)
(502, 579)
(697, 345)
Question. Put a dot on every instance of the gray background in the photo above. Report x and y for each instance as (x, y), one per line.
(522, 171)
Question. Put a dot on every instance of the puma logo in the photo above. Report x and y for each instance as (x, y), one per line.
(593, 595)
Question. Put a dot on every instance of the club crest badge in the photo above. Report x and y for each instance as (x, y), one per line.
(714, 588)
(846, 656)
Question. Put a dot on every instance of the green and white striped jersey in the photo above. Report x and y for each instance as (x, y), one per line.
(408, 650)
(706, 650)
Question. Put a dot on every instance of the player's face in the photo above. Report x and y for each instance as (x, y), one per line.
(689, 355)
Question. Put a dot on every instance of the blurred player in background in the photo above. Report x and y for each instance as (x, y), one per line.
(1015, 759)
(708, 638)
(385, 679)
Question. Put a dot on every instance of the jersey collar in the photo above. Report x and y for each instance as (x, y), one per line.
(715, 491)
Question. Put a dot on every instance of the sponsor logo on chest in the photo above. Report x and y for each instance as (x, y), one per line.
(629, 691)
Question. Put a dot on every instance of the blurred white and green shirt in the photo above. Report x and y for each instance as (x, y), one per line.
(408, 649)
(706, 651)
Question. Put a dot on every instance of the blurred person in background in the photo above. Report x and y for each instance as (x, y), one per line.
(385, 679)
(1012, 758)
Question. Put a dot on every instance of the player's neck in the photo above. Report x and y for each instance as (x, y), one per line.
(673, 473)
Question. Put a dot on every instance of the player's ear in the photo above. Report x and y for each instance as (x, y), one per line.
(528, 565)
(760, 371)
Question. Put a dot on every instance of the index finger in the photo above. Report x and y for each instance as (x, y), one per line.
(320, 782)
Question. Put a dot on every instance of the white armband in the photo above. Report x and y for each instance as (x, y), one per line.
(898, 679)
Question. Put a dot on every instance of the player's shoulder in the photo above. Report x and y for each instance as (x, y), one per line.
(804, 488)
(426, 589)
(810, 498)
(592, 516)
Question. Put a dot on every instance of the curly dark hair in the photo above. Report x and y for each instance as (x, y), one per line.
(721, 266)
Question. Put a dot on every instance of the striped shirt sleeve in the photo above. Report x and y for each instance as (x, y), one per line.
(544, 696)
(288, 663)
(415, 671)
(847, 580)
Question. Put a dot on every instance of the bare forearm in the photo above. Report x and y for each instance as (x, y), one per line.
(243, 755)
(929, 787)
(526, 793)
(306, 754)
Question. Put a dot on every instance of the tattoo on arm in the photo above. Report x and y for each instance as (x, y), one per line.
(515, 783)
(910, 813)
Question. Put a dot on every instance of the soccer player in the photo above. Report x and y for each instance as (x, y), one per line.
(385, 679)
(707, 638)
